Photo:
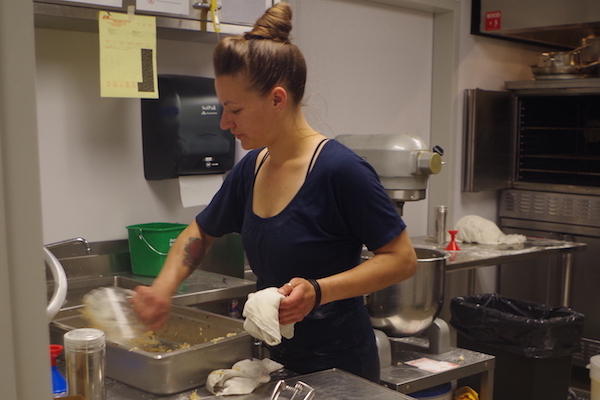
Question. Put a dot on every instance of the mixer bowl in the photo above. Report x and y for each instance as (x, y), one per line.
(409, 307)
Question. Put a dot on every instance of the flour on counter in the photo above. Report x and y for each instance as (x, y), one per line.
(476, 229)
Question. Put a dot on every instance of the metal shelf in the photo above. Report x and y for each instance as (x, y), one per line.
(85, 19)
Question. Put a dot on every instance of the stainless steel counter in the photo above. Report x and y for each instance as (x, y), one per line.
(473, 255)
(331, 384)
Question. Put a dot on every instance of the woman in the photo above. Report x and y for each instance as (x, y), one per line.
(304, 206)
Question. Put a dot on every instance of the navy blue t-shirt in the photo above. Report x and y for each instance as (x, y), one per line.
(340, 207)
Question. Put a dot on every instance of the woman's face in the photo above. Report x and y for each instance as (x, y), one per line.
(245, 113)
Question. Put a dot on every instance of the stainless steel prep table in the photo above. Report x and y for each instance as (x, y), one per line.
(473, 255)
(407, 378)
(331, 384)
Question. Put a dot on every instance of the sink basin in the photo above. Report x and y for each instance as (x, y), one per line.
(200, 287)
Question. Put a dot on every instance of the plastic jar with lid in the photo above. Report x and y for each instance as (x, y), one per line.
(85, 354)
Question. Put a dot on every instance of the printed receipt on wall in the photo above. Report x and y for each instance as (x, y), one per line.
(127, 55)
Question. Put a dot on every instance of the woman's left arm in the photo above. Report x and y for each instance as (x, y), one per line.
(391, 263)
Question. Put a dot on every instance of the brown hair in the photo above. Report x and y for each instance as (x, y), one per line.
(265, 55)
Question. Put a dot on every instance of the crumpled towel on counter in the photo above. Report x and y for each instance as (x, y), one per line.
(243, 377)
(262, 317)
(476, 229)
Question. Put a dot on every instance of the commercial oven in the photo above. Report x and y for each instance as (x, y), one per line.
(539, 142)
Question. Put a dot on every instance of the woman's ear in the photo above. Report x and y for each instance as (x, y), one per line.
(280, 97)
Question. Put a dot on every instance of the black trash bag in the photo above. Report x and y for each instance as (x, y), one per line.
(517, 326)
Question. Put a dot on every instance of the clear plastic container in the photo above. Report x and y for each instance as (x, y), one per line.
(109, 309)
(85, 354)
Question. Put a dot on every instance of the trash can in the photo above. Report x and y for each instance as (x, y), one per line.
(533, 344)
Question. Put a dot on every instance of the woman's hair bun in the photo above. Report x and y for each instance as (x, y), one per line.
(275, 24)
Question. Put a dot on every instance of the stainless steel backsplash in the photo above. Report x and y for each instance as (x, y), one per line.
(226, 256)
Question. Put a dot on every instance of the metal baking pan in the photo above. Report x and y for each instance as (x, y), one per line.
(191, 345)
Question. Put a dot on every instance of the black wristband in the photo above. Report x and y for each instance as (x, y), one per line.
(317, 292)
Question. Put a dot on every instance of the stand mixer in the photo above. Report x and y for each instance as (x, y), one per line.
(409, 308)
(403, 163)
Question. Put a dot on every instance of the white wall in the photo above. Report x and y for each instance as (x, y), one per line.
(91, 147)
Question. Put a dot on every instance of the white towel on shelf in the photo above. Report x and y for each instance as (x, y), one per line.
(262, 317)
(243, 377)
(476, 229)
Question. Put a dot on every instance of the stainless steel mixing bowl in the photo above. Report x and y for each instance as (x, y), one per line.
(409, 307)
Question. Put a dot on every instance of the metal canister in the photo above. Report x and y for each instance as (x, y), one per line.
(440, 223)
(85, 361)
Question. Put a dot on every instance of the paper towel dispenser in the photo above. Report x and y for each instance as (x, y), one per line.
(180, 130)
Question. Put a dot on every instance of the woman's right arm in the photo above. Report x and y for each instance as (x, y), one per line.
(153, 303)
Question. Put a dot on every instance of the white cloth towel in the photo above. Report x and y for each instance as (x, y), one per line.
(476, 229)
(262, 317)
(243, 377)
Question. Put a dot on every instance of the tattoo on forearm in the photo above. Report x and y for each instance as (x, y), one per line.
(193, 253)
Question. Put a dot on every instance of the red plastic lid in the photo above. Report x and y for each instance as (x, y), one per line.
(55, 350)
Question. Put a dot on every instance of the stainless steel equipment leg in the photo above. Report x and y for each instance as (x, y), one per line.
(487, 385)
(439, 336)
(567, 277)
(471, 280)
(567, 272)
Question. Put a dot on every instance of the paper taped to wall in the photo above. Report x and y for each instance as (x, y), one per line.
(198, 190)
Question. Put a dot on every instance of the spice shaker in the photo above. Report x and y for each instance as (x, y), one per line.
(440, 224)
(85, 352)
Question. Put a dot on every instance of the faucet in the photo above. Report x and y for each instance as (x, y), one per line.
(88, 249)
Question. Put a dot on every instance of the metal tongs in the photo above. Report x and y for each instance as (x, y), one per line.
(298, 388)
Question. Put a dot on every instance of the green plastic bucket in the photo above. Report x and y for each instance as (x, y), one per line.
(149, 245)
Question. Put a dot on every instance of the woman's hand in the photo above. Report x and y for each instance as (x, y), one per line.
(299, 302)
(151, 306)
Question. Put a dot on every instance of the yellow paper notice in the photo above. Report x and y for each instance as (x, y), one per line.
(127, 55)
